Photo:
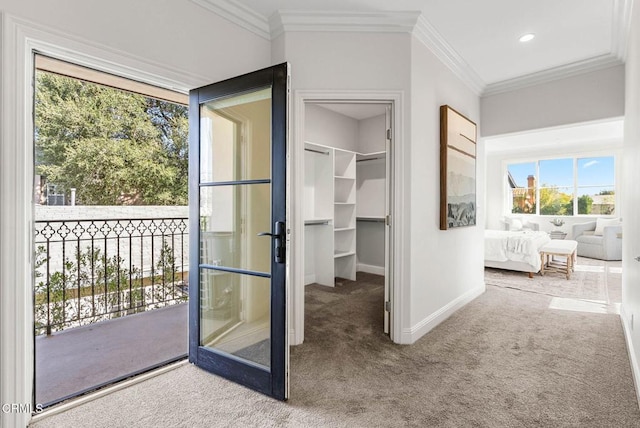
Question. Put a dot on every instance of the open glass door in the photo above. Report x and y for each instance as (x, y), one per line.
(237, 312)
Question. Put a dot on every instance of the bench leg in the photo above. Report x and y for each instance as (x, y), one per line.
(530, 274)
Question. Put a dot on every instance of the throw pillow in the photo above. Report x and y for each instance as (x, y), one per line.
(515, 224)
(602, 222)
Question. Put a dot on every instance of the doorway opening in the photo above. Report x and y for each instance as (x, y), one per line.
(347, 204)
(110, 231)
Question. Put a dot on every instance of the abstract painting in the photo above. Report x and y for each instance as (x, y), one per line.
(457, 170)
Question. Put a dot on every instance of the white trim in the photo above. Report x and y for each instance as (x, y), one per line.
(561, 72)
(621, 27)
(376, 270)
(238, 14)
(16, 342)
(19, 39)
(400, 275)
(417, 24)
(410, 335)
(635, 366)
(92, 55)
(341, 21)
(68, 405)
(429, 36)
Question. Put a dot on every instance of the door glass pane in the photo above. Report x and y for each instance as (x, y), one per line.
(235, 314)
(235, 138)
(230, 219)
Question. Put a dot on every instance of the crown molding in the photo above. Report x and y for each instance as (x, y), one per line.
(556, 73)
(341, 21)
(620, 28)
(429, 36)
(413, 22)
(239, 14)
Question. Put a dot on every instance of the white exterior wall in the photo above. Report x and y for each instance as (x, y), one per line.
(631, 224)
(586, 97)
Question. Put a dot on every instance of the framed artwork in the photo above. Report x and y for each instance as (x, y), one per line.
(457, 170)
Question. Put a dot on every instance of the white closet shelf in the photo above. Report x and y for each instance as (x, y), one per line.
(340, 254)
(343, 229)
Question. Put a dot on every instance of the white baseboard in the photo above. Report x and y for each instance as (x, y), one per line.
(410, 335)
(309, 278)
(635, 368)
(376, 270)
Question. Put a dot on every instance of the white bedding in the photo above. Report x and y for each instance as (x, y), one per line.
(521, 246)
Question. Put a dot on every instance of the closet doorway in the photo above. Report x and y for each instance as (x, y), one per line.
(347, 196)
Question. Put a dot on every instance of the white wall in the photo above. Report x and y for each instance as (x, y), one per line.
(446, 266)
(372, 134)
(165, 41)
(180, 36)
(326, 127)
(631, 224)
(586, 97)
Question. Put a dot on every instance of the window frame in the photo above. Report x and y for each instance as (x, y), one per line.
(508, 201)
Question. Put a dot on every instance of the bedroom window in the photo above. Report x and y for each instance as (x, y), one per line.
(563, 186)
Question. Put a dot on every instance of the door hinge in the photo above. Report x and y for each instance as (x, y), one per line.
(387, 220)
(389, 134)
(387, 306)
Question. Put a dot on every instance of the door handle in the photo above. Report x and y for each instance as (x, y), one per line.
(278, 241)
(637, 258)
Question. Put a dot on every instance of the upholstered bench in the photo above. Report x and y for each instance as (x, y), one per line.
(558, 247)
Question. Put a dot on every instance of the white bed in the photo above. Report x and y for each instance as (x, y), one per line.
(514, 250)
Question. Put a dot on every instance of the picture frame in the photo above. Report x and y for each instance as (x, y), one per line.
(458, 137)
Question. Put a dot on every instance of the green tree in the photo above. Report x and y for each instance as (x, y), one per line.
(554, 202)
(584, 204)
(113, 146)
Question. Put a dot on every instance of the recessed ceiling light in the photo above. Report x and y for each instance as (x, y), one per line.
(526, 37)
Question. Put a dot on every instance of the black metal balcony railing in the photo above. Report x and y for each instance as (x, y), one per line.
(91, 270)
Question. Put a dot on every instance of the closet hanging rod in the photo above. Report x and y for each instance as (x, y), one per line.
(365, 160)
(316, 223)
(317, 151)
(371, 219)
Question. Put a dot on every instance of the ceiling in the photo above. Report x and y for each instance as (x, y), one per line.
(479, 38)
(357, 111)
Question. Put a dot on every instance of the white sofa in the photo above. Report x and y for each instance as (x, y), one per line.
(605, 246)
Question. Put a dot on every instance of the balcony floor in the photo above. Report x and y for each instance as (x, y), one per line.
(77, 359)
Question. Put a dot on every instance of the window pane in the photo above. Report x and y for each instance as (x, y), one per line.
(596, 191)
(556, 173)
(522, 187)
(556, 200)
(596, 200)
(596, 171)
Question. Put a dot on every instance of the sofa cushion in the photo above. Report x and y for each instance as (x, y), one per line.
(590, 239)
(602, 222)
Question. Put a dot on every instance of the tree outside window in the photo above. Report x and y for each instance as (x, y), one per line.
(563, 183)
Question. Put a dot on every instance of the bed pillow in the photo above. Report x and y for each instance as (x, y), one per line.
(515, 224)
(602, 222)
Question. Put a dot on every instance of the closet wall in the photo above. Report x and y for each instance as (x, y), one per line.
(344, 202)
(370, 196)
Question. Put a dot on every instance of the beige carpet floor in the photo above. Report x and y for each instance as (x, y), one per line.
(505, 360)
